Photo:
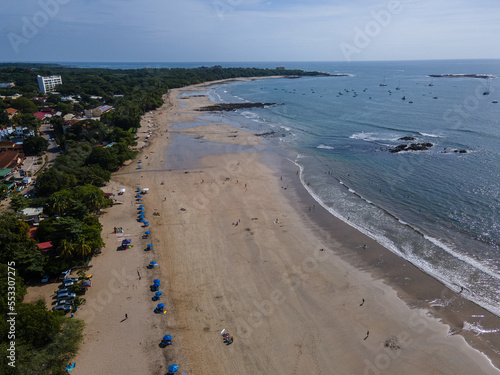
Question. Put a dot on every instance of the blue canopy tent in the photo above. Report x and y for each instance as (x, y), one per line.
(156, 281)
(147, 232)
(167, 337)
(157, 295)
(142, 216)
(150, 245)
(161, 306)
(173, 368)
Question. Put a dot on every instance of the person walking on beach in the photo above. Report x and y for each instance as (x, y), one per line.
(126, 316)
(367, 334)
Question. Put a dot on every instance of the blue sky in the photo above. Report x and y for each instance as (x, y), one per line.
(248, 30)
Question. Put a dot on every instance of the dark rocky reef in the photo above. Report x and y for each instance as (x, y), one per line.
(412, 147)
(232, 106)
(264, 134)
(407, 138)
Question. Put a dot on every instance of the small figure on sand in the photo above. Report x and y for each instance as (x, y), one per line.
(367, 334)
(126, 316)
(363, 302)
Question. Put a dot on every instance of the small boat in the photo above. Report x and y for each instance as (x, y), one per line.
(495, 101)
(399, 86)
(432, 80)
(383, 83)
(487, 92)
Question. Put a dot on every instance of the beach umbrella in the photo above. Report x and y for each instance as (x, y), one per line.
(140, 160)
(161, 305)
(153, 263)
(145, 189)
(158, 294)
(173, 368)
(156, 281)
(150, 245)
(138, 189)
(122, 190)
(167, 337)
(147, 232)
(141, 205)
(141, 216)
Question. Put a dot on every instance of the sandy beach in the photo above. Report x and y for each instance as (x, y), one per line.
(240, 248)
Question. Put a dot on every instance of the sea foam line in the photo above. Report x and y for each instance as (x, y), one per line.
(388, 244)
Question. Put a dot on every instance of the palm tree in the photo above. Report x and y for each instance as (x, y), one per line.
(82, 248)
(66, 249)
(58, 204)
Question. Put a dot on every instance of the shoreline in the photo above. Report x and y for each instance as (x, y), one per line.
(277, 302)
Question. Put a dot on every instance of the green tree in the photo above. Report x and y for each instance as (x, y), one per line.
(24, 105)
(82, 248)
(35, 145)
(54, 180)
(66, 249)
(36, 325)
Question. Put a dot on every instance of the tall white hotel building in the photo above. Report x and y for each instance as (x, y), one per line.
(47, 84)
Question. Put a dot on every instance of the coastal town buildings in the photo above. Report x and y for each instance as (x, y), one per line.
(47, 84)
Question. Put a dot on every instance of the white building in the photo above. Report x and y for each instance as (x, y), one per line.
(47, 84)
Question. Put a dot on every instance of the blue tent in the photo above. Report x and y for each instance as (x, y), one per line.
(161, 305)
(141, 205)
(150, 245)
(141, 216)
(147, 232)
(167, 337)
(158, 294)
(173, 368)
(156, 281)
(153, 262)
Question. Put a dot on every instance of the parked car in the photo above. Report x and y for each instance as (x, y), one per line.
(65, 274)
(66, 295)
(72, 279)
(66, 284)
(65, 302)
(45, 279)
(63, 290)
(64, 308)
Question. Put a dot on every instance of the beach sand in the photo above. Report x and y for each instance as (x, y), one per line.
(291, 285)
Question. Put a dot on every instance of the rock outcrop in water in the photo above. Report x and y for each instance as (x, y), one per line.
(412, 147)
(407, 138)
(232, 106)
(484, 76)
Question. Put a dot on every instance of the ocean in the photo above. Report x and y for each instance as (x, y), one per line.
(437, 208)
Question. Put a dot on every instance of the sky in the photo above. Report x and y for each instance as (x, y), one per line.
(248, 30)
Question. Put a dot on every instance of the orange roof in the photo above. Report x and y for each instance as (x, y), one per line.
(11, 111)
(32, 232)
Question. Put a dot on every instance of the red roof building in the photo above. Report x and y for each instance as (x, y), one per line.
(44, 246)
(39, 115)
